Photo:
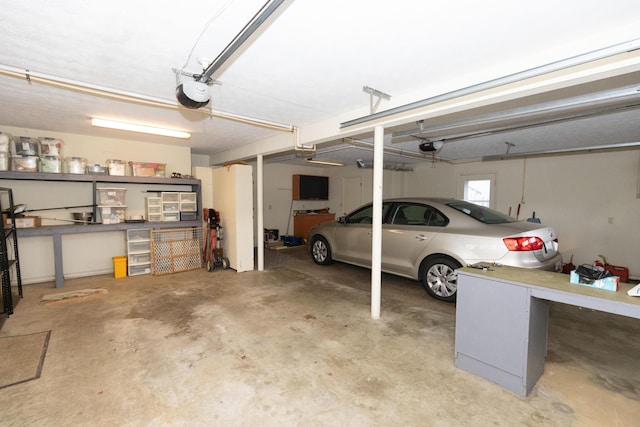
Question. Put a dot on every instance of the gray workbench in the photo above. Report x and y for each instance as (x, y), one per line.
(502, 316)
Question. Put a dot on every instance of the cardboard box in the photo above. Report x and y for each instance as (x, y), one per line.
(270, 244)
(25, 221)
(610, 283)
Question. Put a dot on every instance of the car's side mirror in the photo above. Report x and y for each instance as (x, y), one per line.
(342, 220)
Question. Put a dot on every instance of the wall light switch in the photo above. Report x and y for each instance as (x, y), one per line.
(610, 220)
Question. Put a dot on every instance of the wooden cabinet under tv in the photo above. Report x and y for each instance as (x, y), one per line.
(302, 223)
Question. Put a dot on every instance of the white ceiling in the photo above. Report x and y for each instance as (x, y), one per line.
(309, 66)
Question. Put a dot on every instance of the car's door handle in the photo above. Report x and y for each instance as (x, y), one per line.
(422, 237)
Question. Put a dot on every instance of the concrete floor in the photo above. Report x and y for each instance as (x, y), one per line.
(295, 346)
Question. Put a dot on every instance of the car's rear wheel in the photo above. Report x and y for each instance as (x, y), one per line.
(320, 251)
(439, 277)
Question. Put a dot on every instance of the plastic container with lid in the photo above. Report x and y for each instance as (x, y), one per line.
(25, 163)
(97, 170)
(147, 169)
(51, 147)
(111, 196)
(4, 161)
(50, 164)
(76, 165)
(117, 167)
(5, 142)
(26, 146)
(112, 214)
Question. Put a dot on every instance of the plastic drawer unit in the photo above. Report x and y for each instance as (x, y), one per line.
(139, 251)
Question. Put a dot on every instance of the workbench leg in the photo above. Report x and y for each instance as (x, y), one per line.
(57, 260)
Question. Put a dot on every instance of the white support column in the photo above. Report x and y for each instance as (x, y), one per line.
(376, 237)
(260, 212)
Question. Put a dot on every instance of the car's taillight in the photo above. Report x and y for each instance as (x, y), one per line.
(523, 243)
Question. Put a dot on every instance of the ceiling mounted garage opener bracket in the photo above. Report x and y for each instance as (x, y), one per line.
(375, 93)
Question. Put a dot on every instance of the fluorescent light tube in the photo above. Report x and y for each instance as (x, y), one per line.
(112, 124)
(324, 162)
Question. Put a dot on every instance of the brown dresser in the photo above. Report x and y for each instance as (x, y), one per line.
(302, 223)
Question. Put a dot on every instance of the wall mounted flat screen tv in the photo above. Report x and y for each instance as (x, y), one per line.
(310, 187)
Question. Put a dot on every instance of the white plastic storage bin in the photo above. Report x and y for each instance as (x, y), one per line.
(112, 214)
(188, 202)
(143, 234)
(51, 147)
(141, 258)
(4, 161)
(111, 196)
(170, 196)
(154, 217)
(97, 169)
(26, 163)
(50, 164)
(5, 142)
(76, 165)
(26, 146)
(136, 270)
(170, 207)
(138, 246)
(171, 216)
(117, 167)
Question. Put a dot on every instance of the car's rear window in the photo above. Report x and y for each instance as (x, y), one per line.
(481, 213)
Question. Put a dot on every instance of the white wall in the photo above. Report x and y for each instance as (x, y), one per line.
(98, 150)
(84, 254)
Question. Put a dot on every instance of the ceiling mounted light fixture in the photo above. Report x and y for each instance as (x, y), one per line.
(324, 162)
(133, 127)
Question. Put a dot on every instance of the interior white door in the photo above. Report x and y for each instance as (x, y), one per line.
(351, 193)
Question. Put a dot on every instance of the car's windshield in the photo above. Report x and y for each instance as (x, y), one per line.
(481, 213)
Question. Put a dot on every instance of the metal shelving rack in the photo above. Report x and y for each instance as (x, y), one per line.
(6, 252)
(57, 231)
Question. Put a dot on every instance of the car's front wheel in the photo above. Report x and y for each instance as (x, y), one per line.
(439, 277)
(320, 251)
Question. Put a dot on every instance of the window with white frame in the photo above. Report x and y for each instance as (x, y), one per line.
(478, 189)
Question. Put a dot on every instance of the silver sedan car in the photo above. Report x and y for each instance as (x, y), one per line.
(427, 239)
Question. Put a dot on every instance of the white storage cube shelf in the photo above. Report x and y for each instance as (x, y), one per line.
(168, 206)
(138, 251)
